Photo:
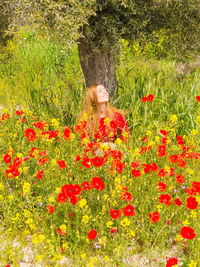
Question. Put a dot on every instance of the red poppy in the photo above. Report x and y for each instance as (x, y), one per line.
(40, 124)
(30, 135)
(191, 191)
(12, 171)
(127, 196)
(198, 98)
(155, 217)
(78, 157)
(113, 230)
(60, 232)
(180, 179)
(164, 141)
(61, 164)
(97, 161)
(86, 186)
(17, 161)
(171, 262)
(173, 158)
(97, 183)
(86, 162)
(147, 168)
(192, 203)
(196, 185)
(180, 140)
(5, 116)
(181, 163)
(178, 202)
(73, 199)
(19, 112)
(163, 132)
(187, 232)
(129, 210)
(33, 152)
(7, 158)
(51, 208)
(71, 190)
(41, 161)
(40, 175)
(115, 214)
(144, 99)
(162, 151)
(61, 198)
(118, 165)
(162, 173)
(154, 167)
(92, 235)
(43, 153)
(165, 198)
(171, 172)
(161, 186)
(136, 173)
(136, 164)
(67, 132)
(150, 98)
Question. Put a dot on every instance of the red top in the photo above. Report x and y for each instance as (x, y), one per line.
(116, 126)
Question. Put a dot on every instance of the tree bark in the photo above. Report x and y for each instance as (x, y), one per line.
(98, 66)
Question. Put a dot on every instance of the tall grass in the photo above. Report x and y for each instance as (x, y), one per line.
(35, 72)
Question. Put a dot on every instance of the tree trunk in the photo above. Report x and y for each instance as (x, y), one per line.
(98, 66)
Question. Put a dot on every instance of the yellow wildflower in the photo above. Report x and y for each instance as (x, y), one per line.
(132, 233)
(118, 141)
(109, 224)
(125, 222)
(107, 121)
(190, 171)
(82, 203)
(105, 197)
(85, 141)
(173, 118)
(159, 207)
(39, 257)
(179, 238)
(1, 187)
(193, 214)
(26, 188)
(55, 123)
(58, 190)
(148, 133)
(186, 222)
(85, 219)
(192, 264)
(52, 199)
(157, 139)
(136, 152)
(83, 256)
(194, 132)
(102, 240)
(72, 136)
(106, 258)
(10, 197)
(63, 228)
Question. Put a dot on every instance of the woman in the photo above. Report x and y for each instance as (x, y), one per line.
(102, 123)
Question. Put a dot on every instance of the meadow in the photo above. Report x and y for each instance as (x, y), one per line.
(60, 198)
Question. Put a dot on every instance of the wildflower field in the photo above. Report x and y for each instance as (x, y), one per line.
(61, 199)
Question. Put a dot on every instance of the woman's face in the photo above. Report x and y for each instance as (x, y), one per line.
(102, 94)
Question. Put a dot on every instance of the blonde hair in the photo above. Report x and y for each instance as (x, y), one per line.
(90, 107)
